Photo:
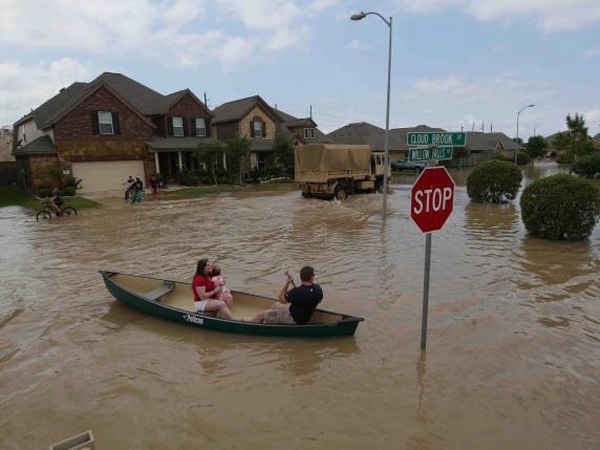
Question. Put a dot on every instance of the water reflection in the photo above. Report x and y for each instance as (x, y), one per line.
(299, 358)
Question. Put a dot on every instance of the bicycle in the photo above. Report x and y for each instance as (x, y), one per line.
(50, 209)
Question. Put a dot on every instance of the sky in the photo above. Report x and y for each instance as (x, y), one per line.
(456, 64)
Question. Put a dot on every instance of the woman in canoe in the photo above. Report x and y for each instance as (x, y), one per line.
(205, 292)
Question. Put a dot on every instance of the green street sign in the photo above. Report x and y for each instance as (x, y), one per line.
(441, 139)
(429, 153)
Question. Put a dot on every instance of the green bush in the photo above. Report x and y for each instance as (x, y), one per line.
(44, 191)
(71, 182)
(588, 166)
(523, 158)
(565, 158)
(69, 190)
(560, 207)
(501, 157)
(492, 181)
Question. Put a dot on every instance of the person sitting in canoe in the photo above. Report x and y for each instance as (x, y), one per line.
(217, 277)
(298, 303)
(205, 292)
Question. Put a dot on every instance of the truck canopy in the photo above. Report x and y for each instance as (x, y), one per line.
(318, 162)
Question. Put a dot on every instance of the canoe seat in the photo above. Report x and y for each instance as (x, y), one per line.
(156, 294)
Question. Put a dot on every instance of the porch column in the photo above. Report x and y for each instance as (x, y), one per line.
(156, 165)
(224, 161)
(180, 161)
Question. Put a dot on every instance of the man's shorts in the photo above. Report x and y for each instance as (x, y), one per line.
(279, 314)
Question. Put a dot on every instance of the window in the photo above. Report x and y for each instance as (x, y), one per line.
(177, 126)
(309, 132)
(105, 122)
(200, 127)
(257, 126)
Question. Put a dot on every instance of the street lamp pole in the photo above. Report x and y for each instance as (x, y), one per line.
(518, 114)
(386, 144)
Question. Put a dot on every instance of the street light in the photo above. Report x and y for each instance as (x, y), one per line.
(518, 143)
(361, 15)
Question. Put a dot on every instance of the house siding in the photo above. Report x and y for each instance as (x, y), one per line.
(244, 124)
(38, 169)
(77, 124)
(228, 130)
(75, 140)
(188, 108)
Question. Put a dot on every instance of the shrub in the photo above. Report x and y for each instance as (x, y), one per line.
(44, 191)
(588, 166)
(501, 157)
(560, 207)
(69, 190)
(492, 181)
(523, 158)
(565, 158)
(71, 182)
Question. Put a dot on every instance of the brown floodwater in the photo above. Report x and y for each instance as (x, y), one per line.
(513, 358)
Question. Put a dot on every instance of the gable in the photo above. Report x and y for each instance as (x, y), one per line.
(78, 121)
(188, 105)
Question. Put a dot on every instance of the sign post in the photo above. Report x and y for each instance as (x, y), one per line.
(431, 202)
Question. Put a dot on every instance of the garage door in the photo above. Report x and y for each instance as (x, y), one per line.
(106, 177)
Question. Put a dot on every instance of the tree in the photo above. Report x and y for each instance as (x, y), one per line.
(536, 146)
(580, 143)
(284, 151)
(208, 153)
(239, 149)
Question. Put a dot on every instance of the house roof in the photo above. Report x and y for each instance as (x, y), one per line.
(143, 99)
(364, 133)
(40, 146)
(177, 143)
(237, 109)
(480, 141)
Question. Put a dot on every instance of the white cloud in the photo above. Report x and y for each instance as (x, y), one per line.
(356, 44)
(166, 31)
(23, 88)
(592, 52)
(550, 15)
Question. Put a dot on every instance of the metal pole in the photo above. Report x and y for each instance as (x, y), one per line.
(518, 144)
(387, 126)
(426, 291)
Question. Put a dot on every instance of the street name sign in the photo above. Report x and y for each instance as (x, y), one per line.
(429, 153)
(432, 199)
(436, 138)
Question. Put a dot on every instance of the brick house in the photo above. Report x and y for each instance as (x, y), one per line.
(107, 129)
(255, 119)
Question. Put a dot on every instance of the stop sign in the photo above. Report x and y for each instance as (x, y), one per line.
(432, 199)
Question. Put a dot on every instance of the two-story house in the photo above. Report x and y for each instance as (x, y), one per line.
(108, 129)
(253, 118)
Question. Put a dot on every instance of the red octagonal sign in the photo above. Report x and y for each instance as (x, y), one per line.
(432, 199)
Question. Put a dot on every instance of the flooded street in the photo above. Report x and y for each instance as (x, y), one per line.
(513, 356)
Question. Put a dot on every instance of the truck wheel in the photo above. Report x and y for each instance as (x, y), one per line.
(340, 193)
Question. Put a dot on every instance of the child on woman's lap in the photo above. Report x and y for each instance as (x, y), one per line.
(219, 280)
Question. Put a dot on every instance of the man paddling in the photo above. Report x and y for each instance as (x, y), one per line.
(298, 303)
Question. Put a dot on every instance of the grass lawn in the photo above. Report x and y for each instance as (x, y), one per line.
(201, 191)
(13, 196)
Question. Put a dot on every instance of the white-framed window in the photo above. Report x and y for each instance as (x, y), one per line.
(257, 126)
(309, 132)
(105, 122)
(200, 127)
(178, 126)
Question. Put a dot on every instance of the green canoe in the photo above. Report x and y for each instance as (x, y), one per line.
(173, 300)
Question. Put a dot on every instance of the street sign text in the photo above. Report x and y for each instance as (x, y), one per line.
(431, 138)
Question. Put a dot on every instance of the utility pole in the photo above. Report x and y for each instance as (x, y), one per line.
(310, 115)
(205, 101)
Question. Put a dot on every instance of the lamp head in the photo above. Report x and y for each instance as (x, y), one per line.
(530, 106)
(361, 15)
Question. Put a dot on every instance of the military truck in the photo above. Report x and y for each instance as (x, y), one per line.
(336, 171)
